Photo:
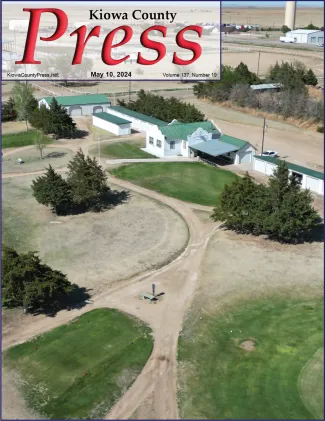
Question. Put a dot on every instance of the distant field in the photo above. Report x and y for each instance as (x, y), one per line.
(191, 182)
(79, 370)
(244, 363)
(15, 140)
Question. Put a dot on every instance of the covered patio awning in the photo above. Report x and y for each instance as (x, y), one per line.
(214, 147)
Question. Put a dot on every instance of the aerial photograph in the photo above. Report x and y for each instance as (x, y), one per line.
(163, 237)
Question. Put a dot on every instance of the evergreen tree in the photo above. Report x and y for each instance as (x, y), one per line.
(59, 121)
(8, 112)
(281, 210)
(53, 191)
(87, 181)
(40, 119)
(29, 283)
(310, 78)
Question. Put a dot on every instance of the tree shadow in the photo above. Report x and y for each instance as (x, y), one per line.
(54, 155)
(76, 299)
(108, 200)
(80, 134)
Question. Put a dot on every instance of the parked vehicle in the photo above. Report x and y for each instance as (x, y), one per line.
(321, 45)
(288, 39)
(274, 154)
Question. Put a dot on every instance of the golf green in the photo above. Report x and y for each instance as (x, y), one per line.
(79, 370)
(191, 182)
(245, 363)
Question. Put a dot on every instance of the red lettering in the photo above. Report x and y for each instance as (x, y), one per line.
(189, 45)
(153, 45)
(34, 21)
(107, 46)
(81, 42)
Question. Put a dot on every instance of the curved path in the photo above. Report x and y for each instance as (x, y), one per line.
(178, 281)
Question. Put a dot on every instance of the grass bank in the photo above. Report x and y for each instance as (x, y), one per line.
(16, 140)
(121, 150)
(191, 182)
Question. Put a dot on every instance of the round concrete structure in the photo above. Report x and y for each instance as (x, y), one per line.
(290, 14)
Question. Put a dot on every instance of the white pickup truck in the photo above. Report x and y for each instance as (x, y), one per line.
(288, 39)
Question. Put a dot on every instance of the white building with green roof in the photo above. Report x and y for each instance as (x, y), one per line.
(309, 179)
(79, 105)
(203, 139)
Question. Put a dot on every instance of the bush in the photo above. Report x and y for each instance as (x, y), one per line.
(320, 129)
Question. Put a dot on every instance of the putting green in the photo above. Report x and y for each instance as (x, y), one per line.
(311, 384)
(245, 363)
(79, 370)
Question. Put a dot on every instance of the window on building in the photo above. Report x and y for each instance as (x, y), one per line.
(184, 144)
(313, 40)
(158, 143)
(150, 140)
(172, 144)
(297, 177)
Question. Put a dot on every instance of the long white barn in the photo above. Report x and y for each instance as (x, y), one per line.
(189, 140)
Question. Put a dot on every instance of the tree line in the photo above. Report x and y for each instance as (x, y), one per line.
(281, 210)
(293, 100)
(165, 109)
(23, 106)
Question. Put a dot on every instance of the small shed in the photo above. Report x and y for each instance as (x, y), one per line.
(309, 179)
(112, 123)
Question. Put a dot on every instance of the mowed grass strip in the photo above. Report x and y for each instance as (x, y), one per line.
(16, 140)
(121, 150)
(220, 380)
(79, 370)
(311, 384)
(191, 182)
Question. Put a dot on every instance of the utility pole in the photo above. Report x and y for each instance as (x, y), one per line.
(258, 63)
(264, 127)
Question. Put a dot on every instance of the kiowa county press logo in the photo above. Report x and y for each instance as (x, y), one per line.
(156, 44)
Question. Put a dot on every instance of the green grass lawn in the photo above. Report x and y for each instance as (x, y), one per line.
(15, 140)
(79, 370)
(123, 150)
(221, 380)
(191, 182)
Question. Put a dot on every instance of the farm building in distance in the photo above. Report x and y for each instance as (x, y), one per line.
(266, 87)
(309, 179)
(306, 36)
(80, 105)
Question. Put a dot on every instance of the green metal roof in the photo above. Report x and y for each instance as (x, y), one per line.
(178, 130)
(112, 118)
(214, 147)
(293, 167)
(233, 141)
(79, 100)
(139, 116)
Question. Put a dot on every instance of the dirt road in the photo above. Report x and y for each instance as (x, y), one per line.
(178, 281)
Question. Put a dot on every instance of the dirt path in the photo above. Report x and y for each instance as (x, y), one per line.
(178, 281)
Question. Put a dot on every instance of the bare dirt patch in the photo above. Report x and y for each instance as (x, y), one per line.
(248, 345)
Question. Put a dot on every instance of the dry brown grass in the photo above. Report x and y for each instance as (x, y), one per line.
(304, 124)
